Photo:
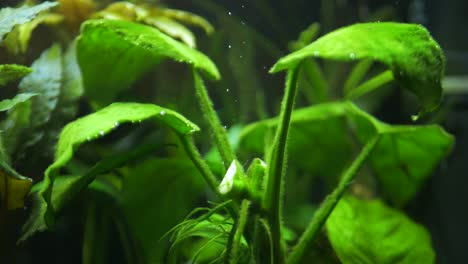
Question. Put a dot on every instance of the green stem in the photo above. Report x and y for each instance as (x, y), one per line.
(232, 253)
(330, 202)
(203, 168)
(357, 74)
(272, 198)
(319, 87)
(370, 85)
(218, 132)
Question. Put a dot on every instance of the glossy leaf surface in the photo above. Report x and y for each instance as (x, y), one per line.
(100, 123)
(130, 50)
(416, 60)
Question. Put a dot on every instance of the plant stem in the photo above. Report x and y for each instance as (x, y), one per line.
(232, 253)
(318, 90)
(330, 202)
(203, 168)
(218, 132)
(357, 74)
(369, 85)
(272, 198)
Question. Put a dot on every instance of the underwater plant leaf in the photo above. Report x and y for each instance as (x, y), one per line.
(402, 160)
(45, 80)
(172, 187)
(100, 123)
(67, 187)
(405, 155)
(174, 29)
(184, 17)
(416, 60)
(72, 83)
(76, 11)
(13, 187)
(11, 72)
(320, 126)
(17, 41)
(18, 119)
(19, 98)
(367, 231)
(130, 50)
(11, 17)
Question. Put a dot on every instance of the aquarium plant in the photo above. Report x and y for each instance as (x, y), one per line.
(137, 167)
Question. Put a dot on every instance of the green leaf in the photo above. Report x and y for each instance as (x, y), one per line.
(11, 72)
(14, 125)
(72, 88)
(130, 50)
(100, 123)
(7, 104)
(370, 232)
(17, 41)
(317, 132)
(402, 160)
(11, 17)
(45, 80)
(415, 59)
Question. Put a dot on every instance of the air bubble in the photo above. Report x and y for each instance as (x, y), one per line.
(162, 113)
(116, 124)
(229, 13)
(88, 138)
(227, 90)
(316, 53)
(229, 46)
(352, 56)
(101, 132)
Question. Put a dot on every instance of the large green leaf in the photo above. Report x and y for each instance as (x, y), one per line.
(11, 17)
(130, 50)
(11, 72)
(97, 125)
(416, 60)
(402, 160)
(363, 231)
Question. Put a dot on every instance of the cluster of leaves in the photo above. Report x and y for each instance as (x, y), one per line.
(151, 172)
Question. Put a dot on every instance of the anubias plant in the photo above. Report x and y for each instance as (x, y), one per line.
(249, 221)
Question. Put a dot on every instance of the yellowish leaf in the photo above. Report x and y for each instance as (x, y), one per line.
(13, 187)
